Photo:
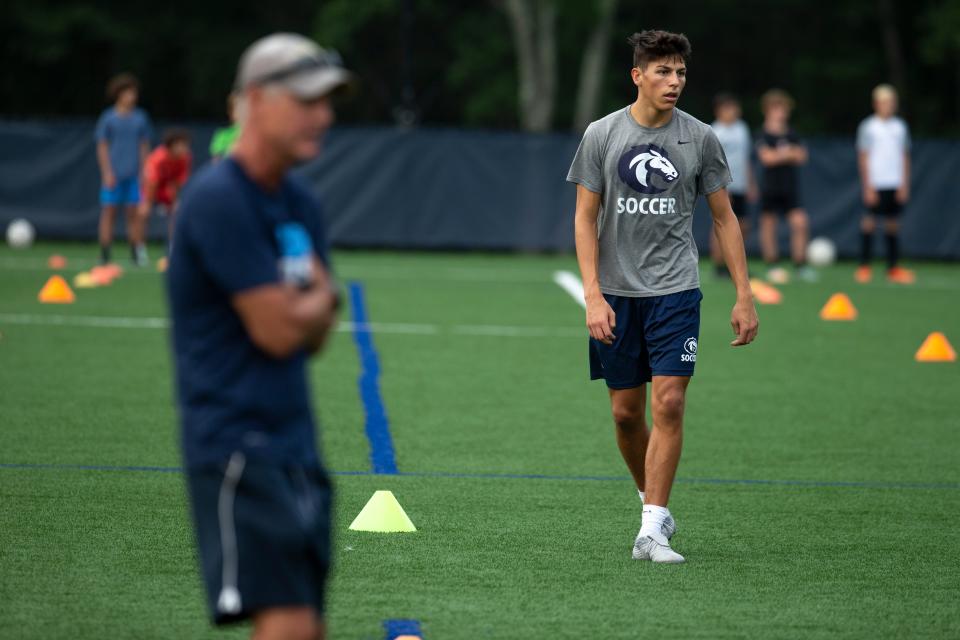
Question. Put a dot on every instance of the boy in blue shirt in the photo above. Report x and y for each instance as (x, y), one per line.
(251, 299)
(123, 141)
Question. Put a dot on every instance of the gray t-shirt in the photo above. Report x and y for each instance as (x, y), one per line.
(735, 140)
(124, 133)
(649, 181)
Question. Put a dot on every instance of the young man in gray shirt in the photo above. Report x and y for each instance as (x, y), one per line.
(639, 172)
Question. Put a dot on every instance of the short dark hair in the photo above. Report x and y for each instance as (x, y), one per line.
(654, 44)
(174, 135)
(724, 98)
(120, 83)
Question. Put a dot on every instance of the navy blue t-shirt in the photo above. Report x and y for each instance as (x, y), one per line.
(232, 395)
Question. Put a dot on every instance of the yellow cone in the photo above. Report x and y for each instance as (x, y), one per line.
(84, 280)
(838, 307)
(56, 290)
(936, 348)
(383, 514)
(765, 293)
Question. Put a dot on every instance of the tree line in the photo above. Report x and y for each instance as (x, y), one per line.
(536, 65)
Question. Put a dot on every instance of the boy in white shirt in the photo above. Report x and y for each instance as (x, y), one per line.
(883, 156)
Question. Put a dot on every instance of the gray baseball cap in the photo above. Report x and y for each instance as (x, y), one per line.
(295, 62)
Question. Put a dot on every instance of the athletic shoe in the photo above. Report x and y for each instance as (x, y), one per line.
(807, 273)
(669, 528)
(863, 274)
(139, 257)
(778, 275)
(656, 549)
(900, 275)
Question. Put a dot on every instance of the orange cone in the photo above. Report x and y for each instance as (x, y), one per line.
(838, 307)
(765, 293)
(936, 348)
(102, 275)
(56, 290)
(114, 270)
(57, 262)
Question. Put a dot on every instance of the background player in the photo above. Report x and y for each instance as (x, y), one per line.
(123, 141)
(734, 137)
(639, 172)
(225, 138)
(781, 153)
(251, 300)
(165, 173)
(883, 156)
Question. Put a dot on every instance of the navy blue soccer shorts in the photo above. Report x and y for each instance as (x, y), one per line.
(655, 336)
(263, 532)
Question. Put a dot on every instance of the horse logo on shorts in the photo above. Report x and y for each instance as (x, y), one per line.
(640, 164)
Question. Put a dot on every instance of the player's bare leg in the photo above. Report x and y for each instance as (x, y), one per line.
(868, 225)
(799, 239)
(770, 248)
(666, 438)
(799, 235)
(108, 215)
(288, 623)
(768, 237)
(629, 407)
(895, 273)
(136, 232)
(663, 456)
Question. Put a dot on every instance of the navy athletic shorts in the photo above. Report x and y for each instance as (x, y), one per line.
(263, 531)
(779, 202)
(655, 336)
(887, 204)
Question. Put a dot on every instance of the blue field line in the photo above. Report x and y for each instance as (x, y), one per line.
(838, 484)
(394, 629)
(377, 425)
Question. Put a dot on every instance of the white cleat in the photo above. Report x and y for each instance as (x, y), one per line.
(656, 549)
(669, 528)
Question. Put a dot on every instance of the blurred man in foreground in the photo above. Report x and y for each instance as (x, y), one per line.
(251, 299)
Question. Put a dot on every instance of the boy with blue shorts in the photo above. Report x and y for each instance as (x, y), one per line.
(123, 141)
(639, 172)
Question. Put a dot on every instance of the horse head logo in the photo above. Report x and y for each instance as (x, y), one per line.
(638, 166)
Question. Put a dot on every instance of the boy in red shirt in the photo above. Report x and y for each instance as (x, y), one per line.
(166, 171)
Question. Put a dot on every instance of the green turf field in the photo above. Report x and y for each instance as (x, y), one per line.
(818, 496)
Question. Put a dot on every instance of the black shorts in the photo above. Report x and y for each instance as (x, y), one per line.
(739, 203)
(887, 204)
(263, 531)
(782, 202)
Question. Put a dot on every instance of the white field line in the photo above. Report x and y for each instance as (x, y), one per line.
(441, 273)
(572, 285)
(395, 328)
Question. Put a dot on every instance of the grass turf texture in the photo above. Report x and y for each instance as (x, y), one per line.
(88, 553)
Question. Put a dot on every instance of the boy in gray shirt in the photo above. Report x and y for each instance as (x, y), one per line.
(734, 137)
(639, 172)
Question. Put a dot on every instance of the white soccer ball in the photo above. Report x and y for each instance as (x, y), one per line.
(821, 252)
(20, 234)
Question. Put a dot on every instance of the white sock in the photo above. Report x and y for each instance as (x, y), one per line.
(643, 496)
(652, 521)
